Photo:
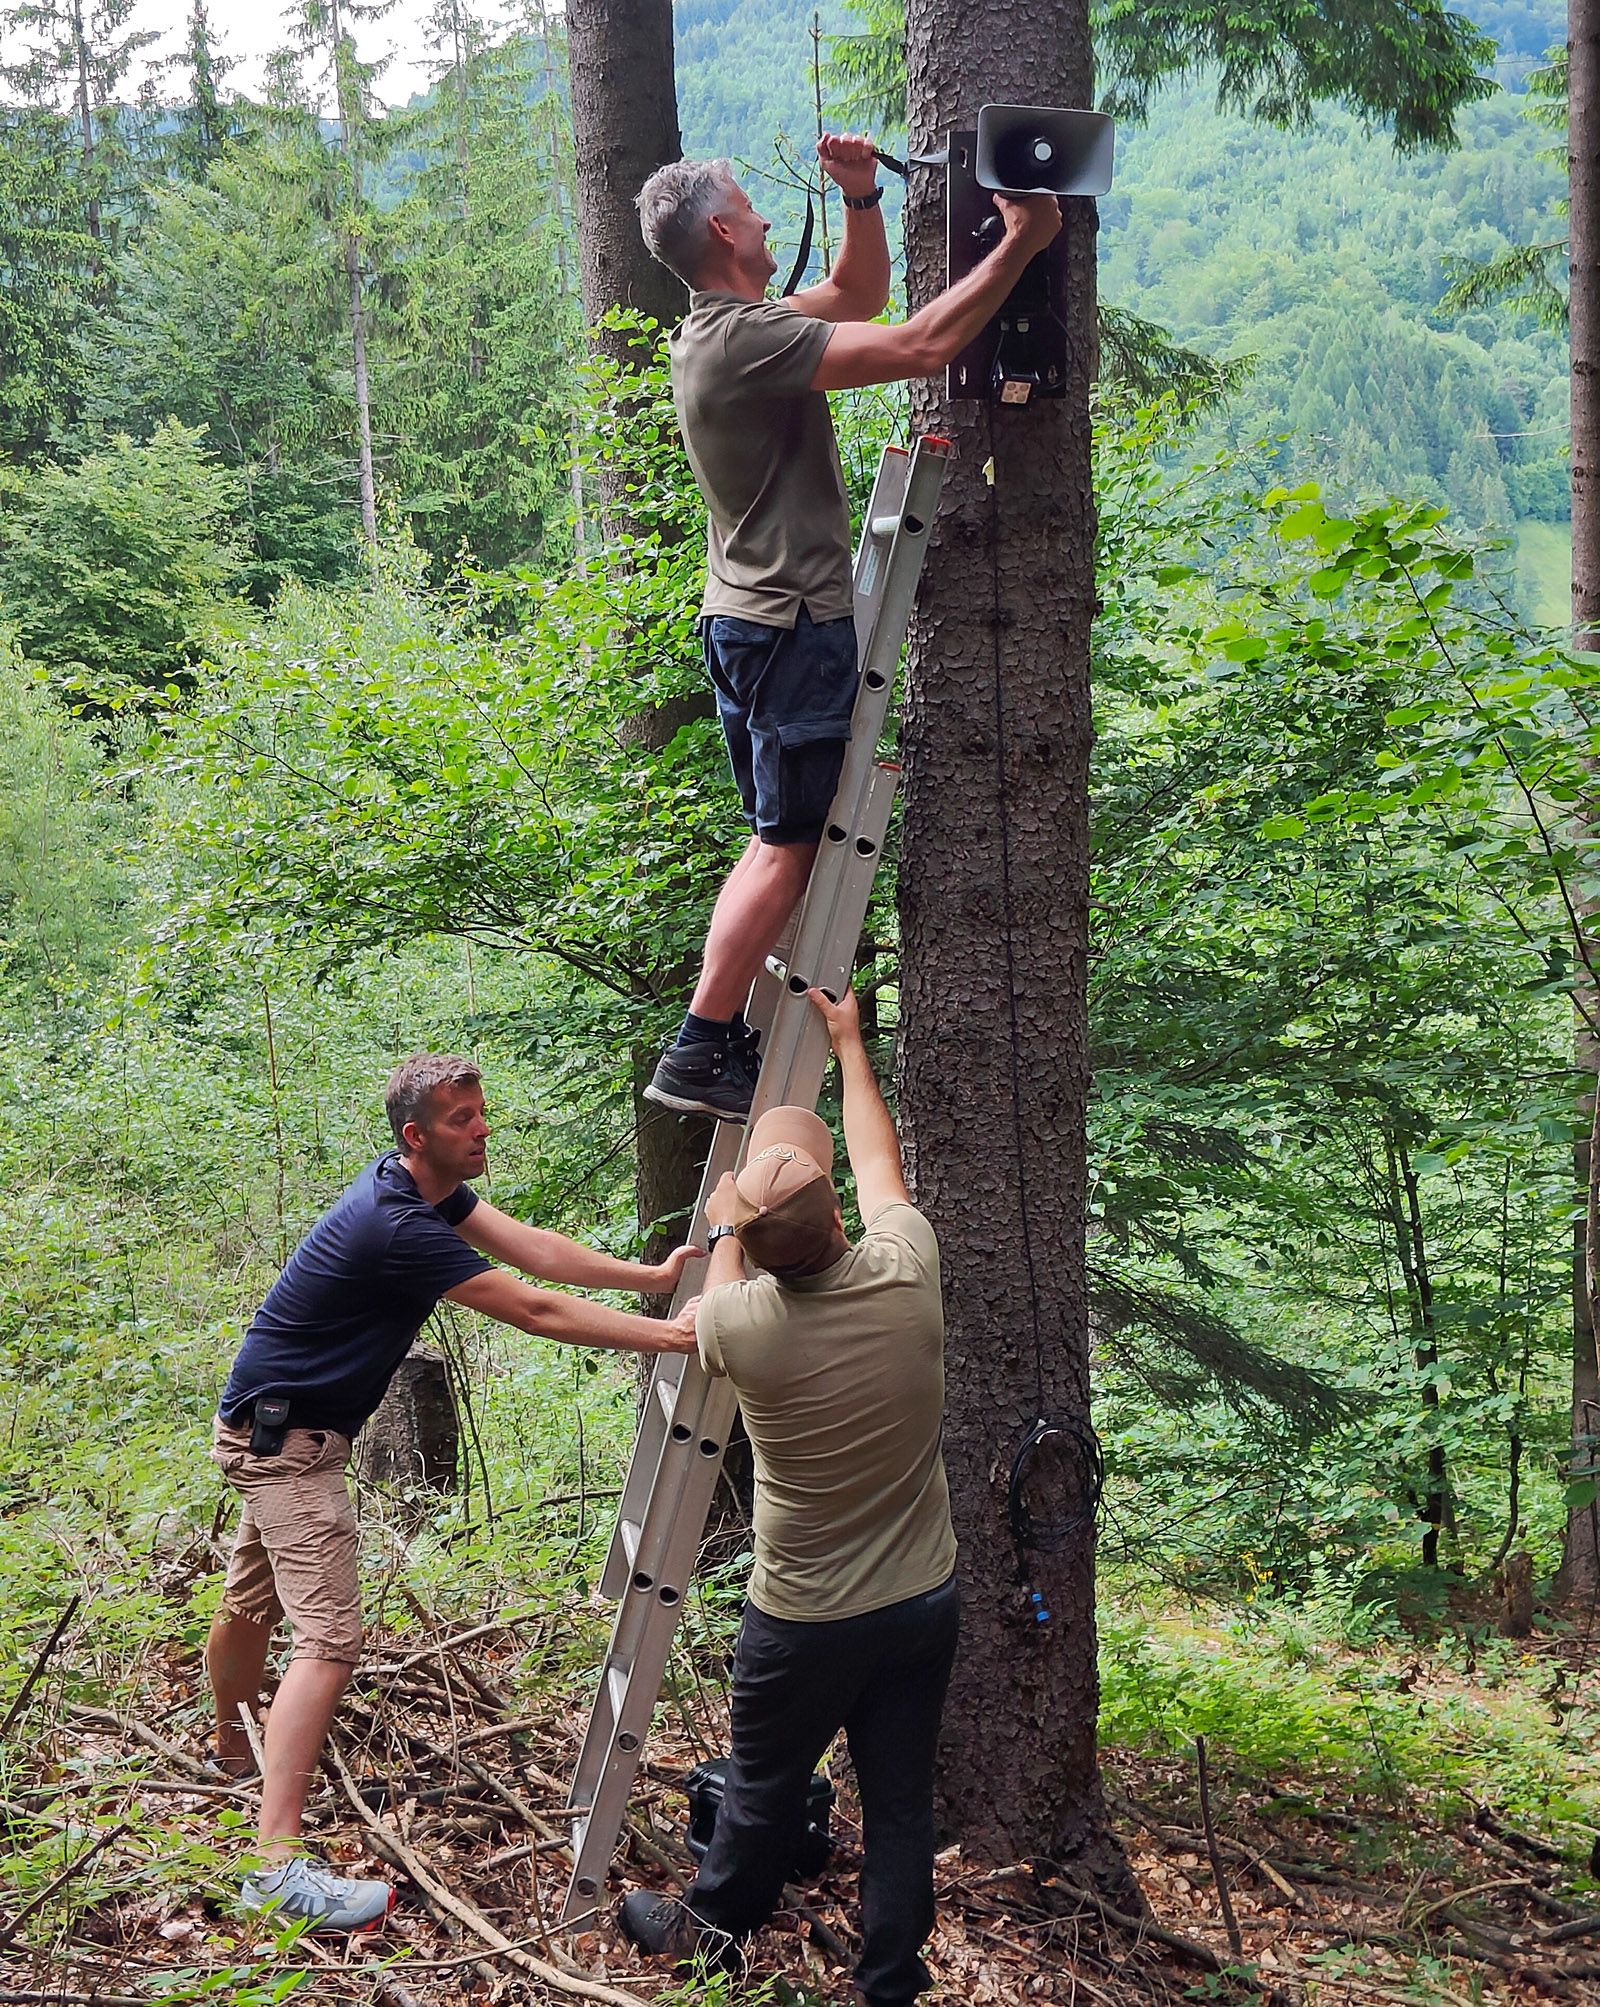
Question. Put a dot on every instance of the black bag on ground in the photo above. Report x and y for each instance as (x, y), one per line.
(705, 1784)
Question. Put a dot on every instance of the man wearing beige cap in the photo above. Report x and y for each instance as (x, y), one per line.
(837, 1354)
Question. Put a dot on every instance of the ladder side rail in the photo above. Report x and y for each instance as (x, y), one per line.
(799, 1038)
(889, 486)
(654, 1425)
(642, 1636)
(674, 1471)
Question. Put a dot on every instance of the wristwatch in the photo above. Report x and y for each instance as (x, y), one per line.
(719, 1233)
(865, 201)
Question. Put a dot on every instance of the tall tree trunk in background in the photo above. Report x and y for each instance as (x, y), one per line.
(347, 96)
(1411, 1252)
(85, 111)
(625, 126)
(1579, 1575)
(363, 391)
(1007, 599)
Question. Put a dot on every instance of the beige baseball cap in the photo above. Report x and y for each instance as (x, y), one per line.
(784, 1200)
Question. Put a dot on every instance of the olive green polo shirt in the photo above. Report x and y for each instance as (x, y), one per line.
(840, 1376)
(760, 441)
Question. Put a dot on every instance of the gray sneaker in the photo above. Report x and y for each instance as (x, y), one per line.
(305, 1888)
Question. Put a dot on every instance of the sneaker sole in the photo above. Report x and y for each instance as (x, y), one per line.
(682, 1104)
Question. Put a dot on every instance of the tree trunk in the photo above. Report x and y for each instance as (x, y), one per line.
(1412, 1250)
(358, 349)
(994, 916)
(411, 1444)
(1579, 1574)
(1578, 1577)
(624, 126)
(85, 110)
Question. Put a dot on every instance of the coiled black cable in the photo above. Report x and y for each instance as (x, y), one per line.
(1083, 1485)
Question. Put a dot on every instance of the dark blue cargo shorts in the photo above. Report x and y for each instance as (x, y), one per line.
(784, 696)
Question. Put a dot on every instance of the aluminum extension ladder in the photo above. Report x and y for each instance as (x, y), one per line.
(687, 1415)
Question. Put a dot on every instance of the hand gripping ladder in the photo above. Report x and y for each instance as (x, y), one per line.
(687, 1415)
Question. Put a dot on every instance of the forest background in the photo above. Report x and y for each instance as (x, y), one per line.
(316, 680)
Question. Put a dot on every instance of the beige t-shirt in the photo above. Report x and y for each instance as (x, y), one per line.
(760, 441)
(841, 1379)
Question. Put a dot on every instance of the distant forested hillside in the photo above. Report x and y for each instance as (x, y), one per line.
(1321, 254)
(1326, 258)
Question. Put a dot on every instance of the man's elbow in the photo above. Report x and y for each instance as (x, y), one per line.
(546, 1313)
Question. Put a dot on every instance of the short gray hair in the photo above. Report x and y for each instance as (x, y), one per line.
(676, 204)
(414, 1082)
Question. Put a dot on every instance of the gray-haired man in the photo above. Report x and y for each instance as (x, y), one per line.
(748, 377)
(315, 1363)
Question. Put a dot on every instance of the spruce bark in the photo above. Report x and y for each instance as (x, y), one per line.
(1579, 1575)
(996, 1154)
(625, 126)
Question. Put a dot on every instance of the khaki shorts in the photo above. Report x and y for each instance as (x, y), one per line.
(295, 1552)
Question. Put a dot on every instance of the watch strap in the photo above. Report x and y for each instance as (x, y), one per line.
(865, 201)
(719, 1233)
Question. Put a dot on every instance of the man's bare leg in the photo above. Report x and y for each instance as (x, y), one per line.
(297, 1727)
(760, 893)
(236, 1658)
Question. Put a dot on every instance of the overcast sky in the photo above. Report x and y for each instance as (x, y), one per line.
(249, 29)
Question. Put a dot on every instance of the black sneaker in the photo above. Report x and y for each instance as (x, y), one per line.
(658, 1924)
(709, 1078)
(663, 1927)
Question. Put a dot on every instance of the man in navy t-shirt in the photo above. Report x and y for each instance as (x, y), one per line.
(315, 1363)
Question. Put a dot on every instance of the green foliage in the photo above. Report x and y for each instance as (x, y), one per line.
(1408, 66)
(46, 279)
(1330, 1058)
(113, 570)
(1277, 1702)
(1328, 263)
(478, 378)
(59, 887)
(62, 54)
(225, 319)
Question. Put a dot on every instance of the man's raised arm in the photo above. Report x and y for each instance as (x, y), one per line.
(858, 355)
(870, 1140)
(858, 286)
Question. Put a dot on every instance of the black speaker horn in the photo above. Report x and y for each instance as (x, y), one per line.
(1042, 150)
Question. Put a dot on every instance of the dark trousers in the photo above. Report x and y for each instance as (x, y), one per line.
(881, 1678)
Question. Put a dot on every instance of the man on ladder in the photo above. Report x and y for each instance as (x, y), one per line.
(749, 377)
(837, 1355)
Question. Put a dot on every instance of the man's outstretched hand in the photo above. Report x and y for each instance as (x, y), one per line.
(667, 1272)
(843, 1018)
(848, 159)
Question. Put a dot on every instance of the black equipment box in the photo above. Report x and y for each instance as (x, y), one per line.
(704, 1785)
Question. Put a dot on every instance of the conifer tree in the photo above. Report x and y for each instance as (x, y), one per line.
(79, 54)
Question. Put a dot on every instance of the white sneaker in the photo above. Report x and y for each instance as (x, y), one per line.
(305, 1888)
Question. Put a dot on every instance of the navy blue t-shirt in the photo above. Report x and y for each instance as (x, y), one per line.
(351, 1300)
